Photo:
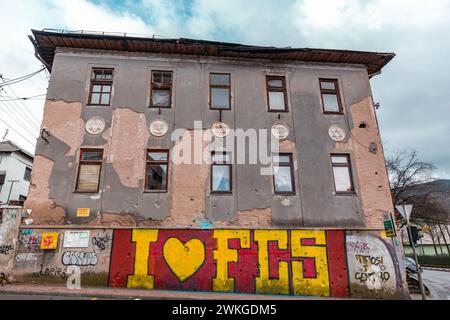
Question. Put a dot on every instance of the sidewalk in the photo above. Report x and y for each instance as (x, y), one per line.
(119, 293)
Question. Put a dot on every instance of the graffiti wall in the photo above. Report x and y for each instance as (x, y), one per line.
(317, 262)
(43, 256)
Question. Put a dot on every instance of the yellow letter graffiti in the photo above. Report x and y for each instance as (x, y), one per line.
(141, 278)
(263, 283)
(320, 285)
(223, 255)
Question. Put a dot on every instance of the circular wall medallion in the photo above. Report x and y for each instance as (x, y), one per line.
(220, 129)
(336, 133)
(158, 128)
(280, 131)
(95, 125)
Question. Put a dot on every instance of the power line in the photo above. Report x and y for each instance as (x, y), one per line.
(33, 144)
(17, 107)
(37, 122)
(10, 98)
(19, 79)
(17, 116)
(20, 123)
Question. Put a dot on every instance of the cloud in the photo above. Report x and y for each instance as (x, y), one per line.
(412, 89)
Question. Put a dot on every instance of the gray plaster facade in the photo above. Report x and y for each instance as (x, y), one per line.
(314, 203)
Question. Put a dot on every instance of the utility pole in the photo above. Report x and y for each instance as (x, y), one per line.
(6, 133)
(10, 189)
(405, 211)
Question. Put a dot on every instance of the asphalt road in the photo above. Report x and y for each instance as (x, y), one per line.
(438, 282)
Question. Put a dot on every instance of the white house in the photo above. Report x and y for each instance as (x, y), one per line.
(15, 172)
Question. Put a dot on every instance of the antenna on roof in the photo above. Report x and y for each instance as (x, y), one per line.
(6, 133)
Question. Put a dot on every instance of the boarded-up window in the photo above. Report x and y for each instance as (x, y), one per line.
(101, 85)
(161, 92)
(90, 166)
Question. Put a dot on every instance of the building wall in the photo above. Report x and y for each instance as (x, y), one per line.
(14, 164)
(188, 202)
(336, 263)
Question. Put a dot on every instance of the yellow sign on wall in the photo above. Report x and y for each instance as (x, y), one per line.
(83, 212)
(49, 240)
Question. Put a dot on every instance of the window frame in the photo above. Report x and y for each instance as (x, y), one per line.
(221, 163)
(344, 165)
(336, 91)
(147, 162)
(276, 89)
(100, 83)
(25, 174)
(217, 86)
(161, 87)
(80, 162)
(284, 164)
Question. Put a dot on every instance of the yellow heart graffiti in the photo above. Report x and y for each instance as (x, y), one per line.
(184, 259)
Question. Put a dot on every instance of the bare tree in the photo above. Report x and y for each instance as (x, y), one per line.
(406, 170)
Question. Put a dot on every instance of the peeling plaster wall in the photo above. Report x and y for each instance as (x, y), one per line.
(188, 202)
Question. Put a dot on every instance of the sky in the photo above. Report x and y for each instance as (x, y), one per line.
(413, 89)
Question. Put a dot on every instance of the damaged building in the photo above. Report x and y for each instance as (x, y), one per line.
(104, 165)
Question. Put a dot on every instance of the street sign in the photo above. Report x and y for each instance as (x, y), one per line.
(389, 226)
(405, 210)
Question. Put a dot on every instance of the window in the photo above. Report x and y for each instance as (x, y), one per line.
(220, 91)
(276, 93)
(2, 179)
(331, 101)
(89, 169)
(157, 170)
(342, 173)
(101, 85)
(221, 172)
(161, 91)
(283, 173)
(27, 174)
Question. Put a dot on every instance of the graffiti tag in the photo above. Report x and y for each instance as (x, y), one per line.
(101, 242)
(359, 247)
(5, 249)
(72, 258)
(22, 257)
(372, 271)
(50, 272)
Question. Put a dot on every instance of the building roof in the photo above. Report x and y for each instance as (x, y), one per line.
(47, 40)
(8, 147)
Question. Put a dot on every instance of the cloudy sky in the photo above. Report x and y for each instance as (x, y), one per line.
(413, 90)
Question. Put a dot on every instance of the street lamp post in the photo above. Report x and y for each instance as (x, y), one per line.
(405, 211)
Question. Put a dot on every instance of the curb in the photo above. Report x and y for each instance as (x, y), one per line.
(144, 294)
(436, 268)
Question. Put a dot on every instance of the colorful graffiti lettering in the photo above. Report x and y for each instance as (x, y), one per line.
(29, 241)
(299, 262)
(71, 258)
